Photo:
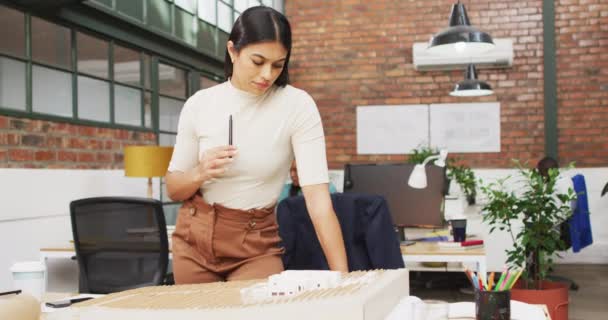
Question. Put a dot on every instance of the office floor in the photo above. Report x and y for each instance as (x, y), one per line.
(588, 303)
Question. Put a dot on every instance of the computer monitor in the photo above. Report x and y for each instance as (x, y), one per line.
(409, 207)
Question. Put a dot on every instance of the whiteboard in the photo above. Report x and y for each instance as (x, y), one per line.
(396, 129)
(465, 127)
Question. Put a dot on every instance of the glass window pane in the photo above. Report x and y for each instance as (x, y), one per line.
(267, 3)
(169, 113)
(159, 15)
(107, 3)
(186, 26)
(165, 139)
(224, 17)
(240, 5)
(206, 10)
(127, 105)
(206, 83)
(12, 31)
(148, 110)
(188, 5)
(92, 55)
(51, 91)
(131, 8)
(206, 37)
(253, 3)
(146, 71)
(172, 81)
(126, 65)
(222, 39)
(51, 43)
(12, 84)
(93, 99)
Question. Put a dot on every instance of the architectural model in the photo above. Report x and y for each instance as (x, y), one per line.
(322, 295)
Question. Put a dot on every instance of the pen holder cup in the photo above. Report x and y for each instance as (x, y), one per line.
(492, 305)
(459, 228)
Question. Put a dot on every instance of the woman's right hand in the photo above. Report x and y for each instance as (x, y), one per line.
(213, 163)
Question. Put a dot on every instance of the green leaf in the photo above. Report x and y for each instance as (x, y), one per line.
(538, 205)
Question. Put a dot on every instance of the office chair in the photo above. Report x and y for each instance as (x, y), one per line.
(121, 243)
(369, 238)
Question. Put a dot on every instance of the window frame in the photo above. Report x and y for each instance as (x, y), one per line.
(193, 75)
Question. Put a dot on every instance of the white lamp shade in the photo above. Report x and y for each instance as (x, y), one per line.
(417, 178)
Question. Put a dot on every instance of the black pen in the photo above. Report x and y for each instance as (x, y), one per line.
(10, 292)
(230, 130)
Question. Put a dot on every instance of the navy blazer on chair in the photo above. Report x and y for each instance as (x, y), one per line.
(367, 228)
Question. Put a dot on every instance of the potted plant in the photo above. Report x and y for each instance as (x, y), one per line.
(421, 153)
(541, 208)
(465, 177)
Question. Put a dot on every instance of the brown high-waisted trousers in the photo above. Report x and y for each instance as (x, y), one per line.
(215, 243)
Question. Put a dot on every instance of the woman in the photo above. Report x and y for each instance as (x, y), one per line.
(226, 228)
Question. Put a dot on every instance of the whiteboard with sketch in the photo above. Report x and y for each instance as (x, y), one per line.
(466, 127)
(398, 129)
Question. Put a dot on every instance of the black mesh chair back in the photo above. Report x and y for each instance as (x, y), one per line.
(121, 243)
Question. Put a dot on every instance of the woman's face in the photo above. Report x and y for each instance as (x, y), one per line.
(257, 66)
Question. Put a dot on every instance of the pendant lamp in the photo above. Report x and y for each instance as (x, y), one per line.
(460, 37)
(470, 86)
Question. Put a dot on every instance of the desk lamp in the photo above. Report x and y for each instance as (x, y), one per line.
(148, 162)
(417, 178)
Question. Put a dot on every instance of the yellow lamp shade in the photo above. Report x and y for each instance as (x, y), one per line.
(147, 161)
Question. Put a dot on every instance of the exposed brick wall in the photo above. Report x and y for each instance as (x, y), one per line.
(582, 57)
(26, 143)
(349, 53)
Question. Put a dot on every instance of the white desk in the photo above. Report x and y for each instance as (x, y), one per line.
(432, 252)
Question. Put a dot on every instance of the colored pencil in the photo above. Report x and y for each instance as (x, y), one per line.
(468, 273)
(500, 280)
(504, 282)
(482, 281)
(514, 281)
(475, 282)
(491, 281)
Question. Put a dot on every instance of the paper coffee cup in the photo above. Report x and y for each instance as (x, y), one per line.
(29, 277)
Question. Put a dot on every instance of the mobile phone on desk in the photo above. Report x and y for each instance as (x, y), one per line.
(66, 302)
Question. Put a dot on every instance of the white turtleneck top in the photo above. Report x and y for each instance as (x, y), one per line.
(268, 131)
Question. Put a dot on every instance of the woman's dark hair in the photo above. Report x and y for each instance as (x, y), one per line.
(545, 164)
(260, 24)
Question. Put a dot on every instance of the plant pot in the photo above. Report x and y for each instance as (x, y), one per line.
(554, 295)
